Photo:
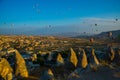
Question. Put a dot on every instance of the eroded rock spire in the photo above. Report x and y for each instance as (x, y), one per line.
(60, 60)
(21, 69)
(5, 69)
(95, 58)
(73, 57)
(84, 62)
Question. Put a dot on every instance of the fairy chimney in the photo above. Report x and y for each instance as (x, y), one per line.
(95, 58)
(73, 58)
(20, 65)
(84, 62)
(60, 60)
(5, 69)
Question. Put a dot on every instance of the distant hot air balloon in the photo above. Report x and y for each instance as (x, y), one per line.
(109, 34)
(24, 24)
(33, 7)
(5, 23)
(91, 40)
(116, 19)
(49, 26)
(96, 30)
(95, 24)
(84, 32)
(12, 24)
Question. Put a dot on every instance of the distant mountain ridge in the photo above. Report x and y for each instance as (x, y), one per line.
(73, 34)
(115, 33)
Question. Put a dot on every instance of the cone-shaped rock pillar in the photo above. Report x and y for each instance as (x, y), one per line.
(84, 62)
(5, 69)
(112, 54)
(73, 57)
(95, 58)
(21, 69)
(60, 60)
(47, 75)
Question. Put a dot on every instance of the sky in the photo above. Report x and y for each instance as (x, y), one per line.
(58, 16)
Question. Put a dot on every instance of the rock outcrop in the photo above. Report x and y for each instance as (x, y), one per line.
(84, 61)
(95, 58)
(47, 75)
(60, 60)
(73, 57)
(5, 69)
(20, 65)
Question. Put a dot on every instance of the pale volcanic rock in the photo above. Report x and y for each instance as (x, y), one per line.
(112, 54)
(60, 60)
(21, 69)
(73, 57)
(84, 62)
(95, 58)
(34, 57)
(5, 69)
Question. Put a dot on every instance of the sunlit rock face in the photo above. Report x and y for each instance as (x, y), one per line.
(84, 61)
(34, 57)
(21, 69)
(73, 57)
(112, 53)
(95, 60)
(60, 60)
(47, 75)
(5, 69)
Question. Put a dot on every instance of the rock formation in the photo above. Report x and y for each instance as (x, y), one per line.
(112, 54)
(84, 62)
(95, 58)
(34, 57)
(5, 69)
(60, 60)
(20, 65)
(73, 58)
(47, 75)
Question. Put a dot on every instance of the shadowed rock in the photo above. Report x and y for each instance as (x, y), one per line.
(47, 75)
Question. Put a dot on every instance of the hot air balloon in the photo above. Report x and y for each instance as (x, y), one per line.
(109, 34)
(96, 30)
(24, 24)
(84, 32)
(91, 40)
(33, 7)
(49, 26)
(95, 24)
(5, 23)
(12, 24)
(116, 19)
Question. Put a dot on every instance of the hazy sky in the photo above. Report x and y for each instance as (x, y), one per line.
(35, 16)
